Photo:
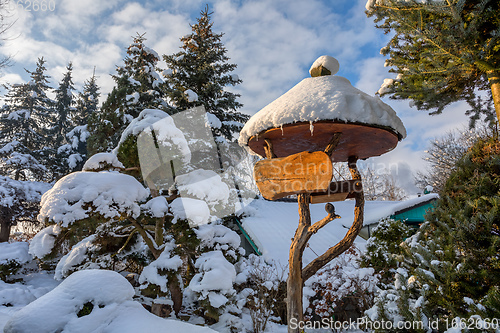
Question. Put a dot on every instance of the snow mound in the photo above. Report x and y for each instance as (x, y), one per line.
(113, 310)
(20, 294)
(74, 257)
(216, 278)
(205, 185)
(191, 96)
(323, 98)
(213, 120)
(327, 62)
(110, 193)
(218, 237)
(17, 252)
(146, 119)
(43, 242)
(51, 312)
(195, 211)
(156, 207)
(152, 272)
(102, 161)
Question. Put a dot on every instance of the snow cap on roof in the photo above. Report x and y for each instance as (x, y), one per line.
(325, 97)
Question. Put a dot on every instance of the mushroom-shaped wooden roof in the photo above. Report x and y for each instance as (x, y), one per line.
(306, 117)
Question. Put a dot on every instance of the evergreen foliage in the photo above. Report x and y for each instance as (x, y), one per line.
(383, 250)
(138, 87)
(443, 52)
(25, 123)
(450, 269)
(18, 203)
(199, 74)
(64, 102)
(64, 107)
(75, 150)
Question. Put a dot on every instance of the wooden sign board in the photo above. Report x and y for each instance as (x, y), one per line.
(338, 191)
(304, 172)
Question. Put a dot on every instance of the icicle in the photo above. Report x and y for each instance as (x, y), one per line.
(311, 127)
(281, 126)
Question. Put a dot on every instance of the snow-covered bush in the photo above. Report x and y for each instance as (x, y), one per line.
(449, 269)
(87, 301)
(342, 290)
(261, 292)
(18, 203)
(88, 217)
(213, 284)
(384, 250)
(12, 257)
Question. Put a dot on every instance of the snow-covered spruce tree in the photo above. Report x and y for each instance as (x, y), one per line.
(75, 150)
(138, 87)
(450, 270)
(443, 52)
(63, 107)
(18, 203)
(199, 73)
(25, 119)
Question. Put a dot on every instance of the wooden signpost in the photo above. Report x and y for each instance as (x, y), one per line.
(291, 168)
(304, 172)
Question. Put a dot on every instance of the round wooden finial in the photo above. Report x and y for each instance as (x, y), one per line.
(324, 65)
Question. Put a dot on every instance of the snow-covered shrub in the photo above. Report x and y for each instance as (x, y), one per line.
(450, 268)
(383, 250)
(88, 217)
(262, 289)
(103, 162)
(162, 279)
(213, 284)
(18, 203)
(12, 257)
(90, 301)
(342, 289)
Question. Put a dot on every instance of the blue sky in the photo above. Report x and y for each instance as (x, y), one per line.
(273, 42)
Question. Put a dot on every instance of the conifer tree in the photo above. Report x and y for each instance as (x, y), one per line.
(198, 75)
(450, 269)
(138, 87)
(24, 124)
(64, 102)
(75, 150)
(64, 107)
(443, 52)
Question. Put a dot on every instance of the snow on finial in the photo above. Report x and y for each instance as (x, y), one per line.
(324, 65)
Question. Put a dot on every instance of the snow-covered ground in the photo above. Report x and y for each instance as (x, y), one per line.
(42, 304)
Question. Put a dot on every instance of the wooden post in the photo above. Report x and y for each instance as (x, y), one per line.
(297, 276)
(295, 283)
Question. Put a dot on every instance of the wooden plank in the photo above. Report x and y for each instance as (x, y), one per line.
(304, 172)
(338, 191)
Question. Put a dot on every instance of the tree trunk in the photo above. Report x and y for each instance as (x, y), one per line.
(494, 79)
(295, 283)
(4, 230)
